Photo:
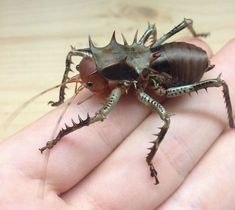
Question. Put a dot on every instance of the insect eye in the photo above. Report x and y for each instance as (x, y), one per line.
(89, 84)
(77, 67)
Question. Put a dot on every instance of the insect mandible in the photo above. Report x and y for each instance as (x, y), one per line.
(170, 70)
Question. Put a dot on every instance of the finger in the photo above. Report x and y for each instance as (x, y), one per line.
(210, 185)
(124, 176)
(71, 159)
(79, 152)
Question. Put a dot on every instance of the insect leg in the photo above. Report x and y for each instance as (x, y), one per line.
(150, 32)
(218, 82)
(186, 23)
(100, 115)
(147, 100)
(68, 62)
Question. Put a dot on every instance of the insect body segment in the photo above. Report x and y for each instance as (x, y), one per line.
(185, 62)
(171, 70)
(89, 74)
(121, 62)
(147, 100)
(99, 116)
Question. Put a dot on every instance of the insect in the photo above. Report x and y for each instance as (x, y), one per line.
(170, 70)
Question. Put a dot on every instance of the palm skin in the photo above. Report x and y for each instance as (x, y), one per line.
(103, 166)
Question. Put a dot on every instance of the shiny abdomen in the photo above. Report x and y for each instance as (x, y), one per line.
(185, 62)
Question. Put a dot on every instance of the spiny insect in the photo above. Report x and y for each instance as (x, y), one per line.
(170, 70)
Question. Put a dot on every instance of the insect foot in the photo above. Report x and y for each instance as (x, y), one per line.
(53, 103)
(153, 173)
(65, 131)
(49, 145)
(155, 146)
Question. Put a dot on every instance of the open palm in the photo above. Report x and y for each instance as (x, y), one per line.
(103, 166)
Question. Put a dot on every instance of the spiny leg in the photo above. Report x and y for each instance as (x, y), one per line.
(218, 82)
(100, 115)
(147, 100)
(150, 32)
(68, 62)
(47, 155)
(186, 23)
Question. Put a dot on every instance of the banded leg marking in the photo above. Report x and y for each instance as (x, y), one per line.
(151, 31)
(100, 115)
(218, 82)
(68, 62)
(147, 100)
(186, 23)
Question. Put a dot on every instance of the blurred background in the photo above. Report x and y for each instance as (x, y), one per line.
(36, 35)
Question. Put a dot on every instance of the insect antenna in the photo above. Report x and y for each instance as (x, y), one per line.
(14, 114)
(42, 183)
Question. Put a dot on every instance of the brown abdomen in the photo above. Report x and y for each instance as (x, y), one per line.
(185, 62)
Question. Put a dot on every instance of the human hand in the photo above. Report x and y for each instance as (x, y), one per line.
(103, 166)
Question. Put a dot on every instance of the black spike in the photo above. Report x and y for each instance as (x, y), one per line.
(124, 40)
(135, 37)
(66, 126)
(91, 44)
(73, 122)
(80, 119)
(113, 36)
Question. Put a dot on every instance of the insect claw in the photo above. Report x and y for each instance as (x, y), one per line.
(42, 149)
(72, 47)
(156, 181)
(53, 103)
